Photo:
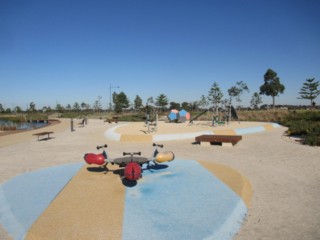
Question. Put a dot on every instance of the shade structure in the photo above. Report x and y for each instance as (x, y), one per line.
(184, 115)
(173, 115)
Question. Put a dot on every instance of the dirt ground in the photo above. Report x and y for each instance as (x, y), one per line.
(285, 176)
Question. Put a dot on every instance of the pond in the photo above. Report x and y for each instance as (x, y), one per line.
(9, 125)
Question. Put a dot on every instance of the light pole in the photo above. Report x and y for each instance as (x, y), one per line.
(110, 103)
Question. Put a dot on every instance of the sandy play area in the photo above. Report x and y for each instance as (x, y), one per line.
(284, 176)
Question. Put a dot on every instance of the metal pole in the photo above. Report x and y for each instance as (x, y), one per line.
(110, 105)
(71, 124)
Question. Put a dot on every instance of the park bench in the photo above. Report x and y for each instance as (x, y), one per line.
(42, 134)
(224, 140)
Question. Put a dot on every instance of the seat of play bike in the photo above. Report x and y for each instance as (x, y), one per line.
(125, 160)
(164, 157)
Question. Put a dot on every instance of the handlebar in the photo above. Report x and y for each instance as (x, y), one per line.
(157, 145)
(102, 146)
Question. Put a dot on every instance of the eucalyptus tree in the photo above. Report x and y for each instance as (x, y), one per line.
(272, 85)
(174, 105)
(137, 102)
(255, 100)
(85, 106)
(68, 107)
(59, 108)
(185, 106)
(76, 107)
(150, 101)
(194, 105)
(121, 101)
(32, 107)
(203, 103)
(237, 91)
(18, 109)
(97, 104)
(1, 108)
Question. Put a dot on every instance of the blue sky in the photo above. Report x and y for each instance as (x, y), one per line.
(66, 51)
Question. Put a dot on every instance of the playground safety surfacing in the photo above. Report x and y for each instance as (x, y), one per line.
(183, 199)
(137, 132)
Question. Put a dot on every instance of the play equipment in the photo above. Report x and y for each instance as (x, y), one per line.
(173, 115)
(132, 170)
(133, 164)
(226, 112)
(196, 117)
(178, 116)
(184, 115)
(99, 159)
(151, 118)
(233, 113)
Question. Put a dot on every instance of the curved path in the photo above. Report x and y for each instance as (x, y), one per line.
(137, 132)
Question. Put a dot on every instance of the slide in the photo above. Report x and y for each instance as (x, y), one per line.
(196, 117)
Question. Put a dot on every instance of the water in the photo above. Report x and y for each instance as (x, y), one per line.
(23, 125)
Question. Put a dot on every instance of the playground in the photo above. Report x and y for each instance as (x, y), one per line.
(257, 189)
(167, 131)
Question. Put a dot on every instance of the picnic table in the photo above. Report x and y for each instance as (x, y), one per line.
(42, 134)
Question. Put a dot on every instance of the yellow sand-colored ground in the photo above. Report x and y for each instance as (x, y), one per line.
(284, 175)
(139, 128)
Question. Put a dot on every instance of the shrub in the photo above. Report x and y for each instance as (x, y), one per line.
(305, 124)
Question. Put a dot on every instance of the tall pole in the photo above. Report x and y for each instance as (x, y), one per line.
(110, 102)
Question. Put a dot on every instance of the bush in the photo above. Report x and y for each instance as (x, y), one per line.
(305, 124)
(132, 118)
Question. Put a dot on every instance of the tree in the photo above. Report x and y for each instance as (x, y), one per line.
(203, 103)
(185, 106)
(174, 105)
(162, 101)
(1, 108)
(59, 108)
(45, 109)
(121, 101)
(255, 100)
(236, 91)
(76, 107)
(309, 90)
(215, 95)
(18, 109)
(272, 86)
(137, 102)
(97, 105)
(85, 106)
(194, 105)
(233, 92)
(32, 107)
(68, 107)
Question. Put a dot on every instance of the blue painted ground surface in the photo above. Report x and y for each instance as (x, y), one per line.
(25, 197)
(183, 201)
